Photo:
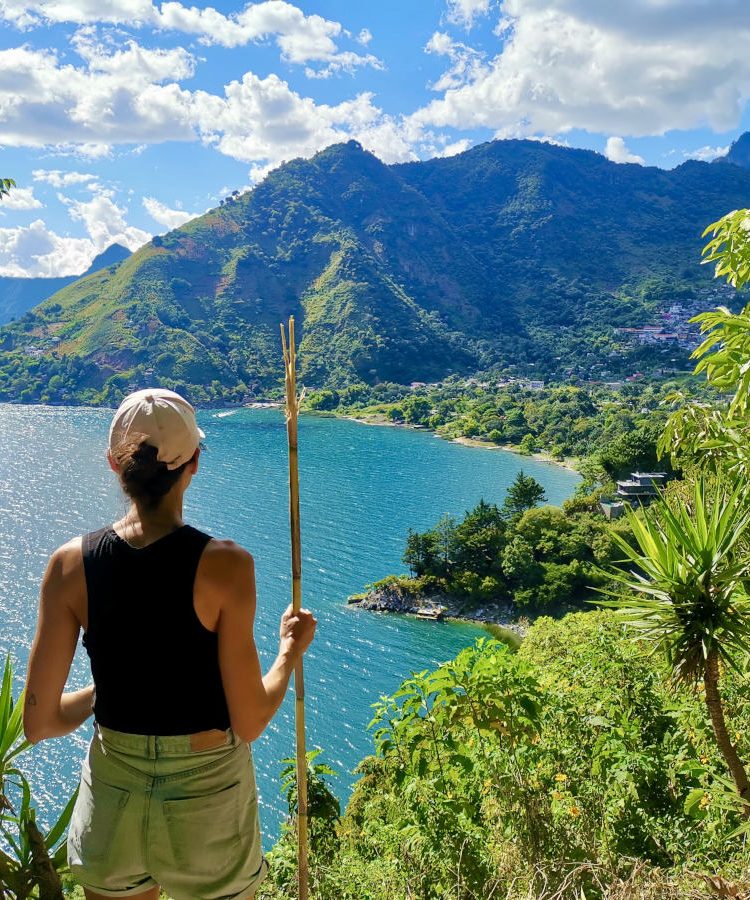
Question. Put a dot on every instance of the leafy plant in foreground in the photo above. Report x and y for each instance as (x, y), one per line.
(687, 594)
(35, 859)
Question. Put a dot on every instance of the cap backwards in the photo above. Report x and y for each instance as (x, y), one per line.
(166, 420)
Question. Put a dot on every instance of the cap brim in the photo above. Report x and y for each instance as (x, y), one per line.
(201, 433)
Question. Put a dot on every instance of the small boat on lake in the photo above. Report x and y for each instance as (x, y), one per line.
(434, 613)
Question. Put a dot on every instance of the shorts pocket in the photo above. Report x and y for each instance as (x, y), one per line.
(204, 831)
(97, 814)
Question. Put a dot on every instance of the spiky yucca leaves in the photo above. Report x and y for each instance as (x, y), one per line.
(688, 593)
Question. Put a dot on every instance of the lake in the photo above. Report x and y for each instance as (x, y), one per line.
(361, 488)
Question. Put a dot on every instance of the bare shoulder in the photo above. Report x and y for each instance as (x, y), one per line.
(66, 561)
(226, 552)
(64, 584)
(225, 562)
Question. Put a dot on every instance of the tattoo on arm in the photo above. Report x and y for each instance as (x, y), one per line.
(31, 700)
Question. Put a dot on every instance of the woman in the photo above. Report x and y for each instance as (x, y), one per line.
(167, 795)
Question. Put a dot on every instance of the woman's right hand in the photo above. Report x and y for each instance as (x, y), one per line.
(296, 631)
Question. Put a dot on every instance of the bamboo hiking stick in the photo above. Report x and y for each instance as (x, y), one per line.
(292, 409)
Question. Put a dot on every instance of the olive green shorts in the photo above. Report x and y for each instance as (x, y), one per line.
(152, 811)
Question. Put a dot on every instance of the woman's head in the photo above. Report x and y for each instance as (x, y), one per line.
(143, 478)
(152, 439)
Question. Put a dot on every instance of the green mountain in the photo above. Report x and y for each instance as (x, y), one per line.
(512, 253)
(18, 295)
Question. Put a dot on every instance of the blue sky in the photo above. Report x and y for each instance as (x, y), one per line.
(119, 119)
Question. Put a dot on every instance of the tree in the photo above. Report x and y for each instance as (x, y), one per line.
(420, 552)
(633, 451)
(480, 538)
(5, 186)
(729, 247)
(445, 545)
(688, 593)
(716, 436)
(523, 494)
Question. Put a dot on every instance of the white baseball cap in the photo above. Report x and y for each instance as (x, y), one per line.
(165, 418)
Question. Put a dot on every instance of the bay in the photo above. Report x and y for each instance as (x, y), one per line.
(361, 489)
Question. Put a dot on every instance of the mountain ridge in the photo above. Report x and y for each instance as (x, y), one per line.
(510, 254)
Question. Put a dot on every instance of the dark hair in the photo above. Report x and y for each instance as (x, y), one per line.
(142, 476)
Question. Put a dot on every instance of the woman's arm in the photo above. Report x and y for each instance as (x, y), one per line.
(252, 698)
(48, 712)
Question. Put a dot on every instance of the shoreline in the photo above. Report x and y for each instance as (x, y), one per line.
(449, 609)
(569, 463)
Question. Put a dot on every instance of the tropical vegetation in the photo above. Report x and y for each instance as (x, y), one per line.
(606, 756)
(520, 558)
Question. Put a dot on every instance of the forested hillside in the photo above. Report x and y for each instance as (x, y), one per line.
(19, 295)
(512, 253)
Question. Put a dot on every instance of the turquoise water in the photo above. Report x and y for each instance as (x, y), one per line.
(361, 487)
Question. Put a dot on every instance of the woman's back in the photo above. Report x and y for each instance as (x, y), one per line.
(155, 665)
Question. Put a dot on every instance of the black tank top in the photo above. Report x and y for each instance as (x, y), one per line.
(155, 666)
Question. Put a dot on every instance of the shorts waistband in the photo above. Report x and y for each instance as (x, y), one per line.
(154, 745)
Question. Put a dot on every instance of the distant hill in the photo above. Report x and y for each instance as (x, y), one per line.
(739, 152)
(514, 253)
(17, 295)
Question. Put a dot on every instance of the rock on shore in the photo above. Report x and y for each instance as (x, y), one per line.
(393, 599)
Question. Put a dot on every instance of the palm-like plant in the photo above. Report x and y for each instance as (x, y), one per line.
(34, 862)
(688, 593)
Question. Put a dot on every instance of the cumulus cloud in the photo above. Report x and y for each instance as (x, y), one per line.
(60, 179)
(123, 97)
(706, 154)
(617, 151)
(20, 198)
(164, 215)
(263, 121)
(633, 68)
(466, 63)
(364, 37)
(301, 38)
(36, 251)
(147, 65)
(105, 222)
(455, 148)
(463, 12)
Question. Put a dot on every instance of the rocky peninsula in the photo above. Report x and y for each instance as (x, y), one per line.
(438, 605)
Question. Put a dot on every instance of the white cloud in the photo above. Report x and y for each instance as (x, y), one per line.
(34, 250)
(455, 148)
(105, 222)
(59, 179)
(301, 38)
(262, 121)
(146, 65)
(466, 63)
(20, 198)
(364, 37)
(117, 98)
(706, 154)
(463, 12)
(164, 215)
(617, 151)
(547, 139)
(637, 68)
(346, 61)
